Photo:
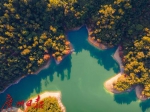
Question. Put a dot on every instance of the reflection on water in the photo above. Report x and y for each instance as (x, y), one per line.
(79, 77)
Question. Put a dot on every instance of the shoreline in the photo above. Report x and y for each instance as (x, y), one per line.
(35, 73)
(46, 65)
(71, 47)
(75, 29)
(94, 42)
(138, 91)
(58, 62)
(117, 58)
(46, 94)
(69, 52)
(108, 84)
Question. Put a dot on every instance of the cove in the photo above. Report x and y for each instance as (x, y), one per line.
(80, 78)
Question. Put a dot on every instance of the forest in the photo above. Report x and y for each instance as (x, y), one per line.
(31, 29)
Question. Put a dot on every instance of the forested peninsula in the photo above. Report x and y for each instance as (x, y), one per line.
(32, 31)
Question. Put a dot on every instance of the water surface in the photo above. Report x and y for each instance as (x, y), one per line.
(80, 78)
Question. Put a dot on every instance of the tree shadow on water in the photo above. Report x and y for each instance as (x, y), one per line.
(33, 83)
(79, 40)
(105, 58)
(125, 98)
(128, 97)
(145, 105)
(64, 65)
(59, 69)
(22, 90)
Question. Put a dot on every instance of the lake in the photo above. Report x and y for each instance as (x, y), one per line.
(80, 78)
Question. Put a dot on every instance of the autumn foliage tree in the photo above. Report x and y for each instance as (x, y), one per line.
(49, 104)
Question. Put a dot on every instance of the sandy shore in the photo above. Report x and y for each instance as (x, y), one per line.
(109, 84)
(119, 61)
(95, 43)
(50, 94)
(13, 109)
(138, 91)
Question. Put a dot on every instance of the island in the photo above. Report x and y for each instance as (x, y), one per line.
(51, 101)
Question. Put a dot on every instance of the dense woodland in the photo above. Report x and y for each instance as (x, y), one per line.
(49, 104)
(31, 28)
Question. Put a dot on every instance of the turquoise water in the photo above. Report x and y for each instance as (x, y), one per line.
(80, 78)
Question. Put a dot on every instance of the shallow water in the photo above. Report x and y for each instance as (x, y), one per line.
(80, 78)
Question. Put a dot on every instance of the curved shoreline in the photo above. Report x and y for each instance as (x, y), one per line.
(71, 48)
(109, 83)
(117, 58)
(95, 43)
(47, 63)
(138, 91)
(35, 73)
(18, 80)
(70, 51)
(46, 94)
(41, 68)
(58, 62)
